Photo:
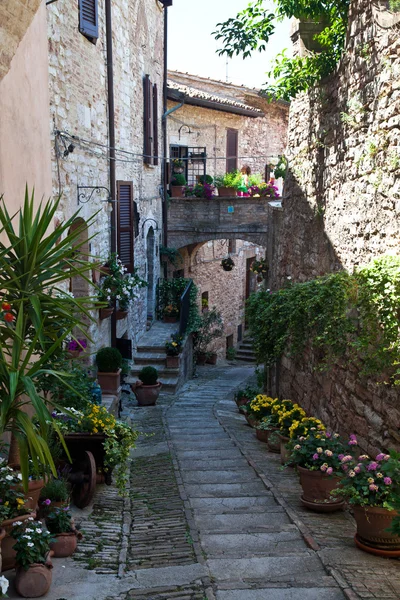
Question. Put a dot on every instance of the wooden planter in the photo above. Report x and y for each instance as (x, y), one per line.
(121, 314)
(110, 383)
(173, 362)
(227, 192)
(106, 312)
(317, 488)
(372, 531)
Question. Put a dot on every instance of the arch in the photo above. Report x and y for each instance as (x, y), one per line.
(150, 255)
(180, 240)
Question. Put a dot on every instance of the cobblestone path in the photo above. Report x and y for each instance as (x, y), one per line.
(210, 515)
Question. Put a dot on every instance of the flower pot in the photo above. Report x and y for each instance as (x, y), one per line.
(173, 362)
(262, 435)
(110, 383)
(73, 354)
(212, 359)
(2, 536)
(65, 544)
(106, 312)
(35, 486)
(167, 319)
(178, 169)
(317, 487)
(227, 192)
(252, 421)
(274, 440)
(35, 582)
(285, 454)
(259, 278)
(146, 395)
(201, 358)
(177, 191)
(7, 544)
(121, 314)
(372, 525)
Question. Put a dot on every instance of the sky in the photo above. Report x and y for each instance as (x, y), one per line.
(192, 48)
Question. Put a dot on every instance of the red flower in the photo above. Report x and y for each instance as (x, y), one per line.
(9, 317)
(6, 306)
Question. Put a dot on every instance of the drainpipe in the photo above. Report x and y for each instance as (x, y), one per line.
(164, 131)
(111, 136)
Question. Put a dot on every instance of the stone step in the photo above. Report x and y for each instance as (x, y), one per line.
(245, 357)
(249, 352)
(145, 358)
(163, 371)
(152, 349)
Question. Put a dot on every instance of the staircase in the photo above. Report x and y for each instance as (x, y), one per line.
(245, 352)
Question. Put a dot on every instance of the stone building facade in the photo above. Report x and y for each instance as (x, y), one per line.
(80, 135)
(341, 206)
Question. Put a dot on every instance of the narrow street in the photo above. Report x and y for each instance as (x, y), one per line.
(212, 516)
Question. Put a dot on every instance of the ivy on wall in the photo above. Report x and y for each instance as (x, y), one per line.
(169, 291)
(340, 315)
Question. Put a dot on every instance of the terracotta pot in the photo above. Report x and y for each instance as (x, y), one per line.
(317, 488)
(285, 454)
(73, 353)
(2, 536)
(65, 544)
(146, 395)
(227, 192)
(106, 312)
(262, 435)
(173, 362)
(177, 191)
(259, 278)
(372, 524)
(212, 360)
(35, 582)
(7, 545)
(121, 314)
(35, 486)
(167, 319)
(110, 383)
(274, 440)
(105, 270)
(201, 358)
(252, 421)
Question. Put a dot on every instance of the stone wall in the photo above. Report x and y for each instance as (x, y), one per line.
(79, 106)
(341, 206)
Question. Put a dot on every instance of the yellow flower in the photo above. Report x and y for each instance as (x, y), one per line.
(95, 430)
(20, 501)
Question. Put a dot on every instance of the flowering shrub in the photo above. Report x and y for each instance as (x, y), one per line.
(173, 346)
(371, 482)
(318, 451)
(288, 414)
(118, 285)
(264, 190)
(59, 520)
(32, 542)
(302, 427)
(261, 406)
(12, 499)
(77, 345)
(200, 190)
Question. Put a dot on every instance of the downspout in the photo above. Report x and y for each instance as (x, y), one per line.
(111, 136)
(164, 132)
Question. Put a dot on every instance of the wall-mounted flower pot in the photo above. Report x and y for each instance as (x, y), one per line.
(121, 314)
(173, 362)
(110, 383)
(177, 191)
(227, 267)
(227, 192)
(106, 312)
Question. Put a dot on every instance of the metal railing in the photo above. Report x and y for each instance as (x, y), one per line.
(185, 309)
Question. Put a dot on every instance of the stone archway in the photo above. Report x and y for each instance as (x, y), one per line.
(150, 254)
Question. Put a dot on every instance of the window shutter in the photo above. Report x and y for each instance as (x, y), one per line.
(231, 150)
(88, 18)
(125, 228)
(155, 124)
(148, 121)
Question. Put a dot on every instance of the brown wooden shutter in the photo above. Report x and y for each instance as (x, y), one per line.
(148, 121)
(126, 226)
(231, 150)
(88, 18)
(155, 124)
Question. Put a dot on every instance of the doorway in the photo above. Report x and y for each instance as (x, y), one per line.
(150, 255)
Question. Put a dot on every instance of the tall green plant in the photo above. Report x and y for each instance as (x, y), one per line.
(170, 292)
(36, 263)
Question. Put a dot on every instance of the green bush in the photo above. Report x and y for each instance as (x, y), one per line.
(73, 389)
(178, 179)
(231, 180)
(148, 376)
(56, 490)
(108, 360)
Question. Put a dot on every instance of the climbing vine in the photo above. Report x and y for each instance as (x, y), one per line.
(356, 316)
(169, 291)
(252, 28)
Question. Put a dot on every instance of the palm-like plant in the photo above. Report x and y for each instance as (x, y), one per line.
(36, 262)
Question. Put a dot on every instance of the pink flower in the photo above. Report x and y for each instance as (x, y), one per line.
(353, 443)
(346, 458)
(329, 471)
(380, 456)
(373, 487)
(327, 434)
(386, 457)
(357, 469)
(363, 457)
(328, 452)
(387, 480)
(345, 467)
(340, 456)
(315, 456)
(46, 502)
(323, 467)
(372, 466)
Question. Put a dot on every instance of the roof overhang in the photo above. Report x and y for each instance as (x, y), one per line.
(176, 95)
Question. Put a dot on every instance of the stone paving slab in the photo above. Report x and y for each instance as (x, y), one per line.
(234, 475)
(271, 520)
(233, 505)
(233, 490)
(277, 594)
(252, 544)
(206, 465)
(282, 568)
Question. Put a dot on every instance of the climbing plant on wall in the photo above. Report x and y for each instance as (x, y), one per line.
(169, 291)
(356, 316)
(252, 28)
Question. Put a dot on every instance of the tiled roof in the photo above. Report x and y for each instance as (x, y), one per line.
(198, 97)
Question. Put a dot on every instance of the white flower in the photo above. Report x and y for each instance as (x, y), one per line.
(9, 477)
(19, 476)
(27, 537)
(30, 544)
(38, 530)
(118, 297)
(289, 278)
(3, 585)
(28, 530)
(17, 523)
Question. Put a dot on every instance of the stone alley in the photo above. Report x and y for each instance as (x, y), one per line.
(211, 515)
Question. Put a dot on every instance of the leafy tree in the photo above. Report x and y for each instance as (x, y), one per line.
(252, 28)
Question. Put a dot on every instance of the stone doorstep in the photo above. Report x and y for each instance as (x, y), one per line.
(111, 403)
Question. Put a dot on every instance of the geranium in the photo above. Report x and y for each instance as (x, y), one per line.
(5, 312)
(200, 190)
(264, 190)
(318, 451)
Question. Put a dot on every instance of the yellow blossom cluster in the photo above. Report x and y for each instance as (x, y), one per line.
(301, 427)
(100, 419)
(262, 404)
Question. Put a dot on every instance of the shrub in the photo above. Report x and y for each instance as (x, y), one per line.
(206, 179)
(56, 490)
(231, 180)
(59, 521)
(178, 179)
(108, 360)
(148, 376)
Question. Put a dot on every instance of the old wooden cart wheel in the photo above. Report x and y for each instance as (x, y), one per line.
(83, 491)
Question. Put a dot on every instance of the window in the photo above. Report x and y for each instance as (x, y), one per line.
(150, 95)
(231, 150)
(88, 19)
(125, 225)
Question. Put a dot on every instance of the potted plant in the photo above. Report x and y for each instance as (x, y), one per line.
(288, 414)
(372, 487)
(210, 327)
(227, 264)
(173, 348)
(200, 190)
(206, 179)
(318, 457)
(258, 408)
(244, 396)
(178, 184)
(228, 184)
(148, 388)
(76, 347)
(60, 524)
(178, 165)
(171, 313)
(109, 363)
(264, 190)
(32, 547)
(118, 286)
(267, 430)
(55, 494)
(260, 267)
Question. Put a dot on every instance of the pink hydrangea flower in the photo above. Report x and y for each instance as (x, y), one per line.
(328, 452)
(357, 469)
(346, 458)
(380, 456)
(324, 467)
(373, 487)
(372, 466)
(315, 456)
(327, 434)
(329, 471)
(387, 480)
(353, 440)
(340, 456)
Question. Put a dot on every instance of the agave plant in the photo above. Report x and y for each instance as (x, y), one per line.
(36, 262)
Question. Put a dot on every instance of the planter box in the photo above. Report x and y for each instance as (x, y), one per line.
(121, 314)
(104, 313)
(110, 383)
(177, 191)
(173, 362)
(227, 192)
